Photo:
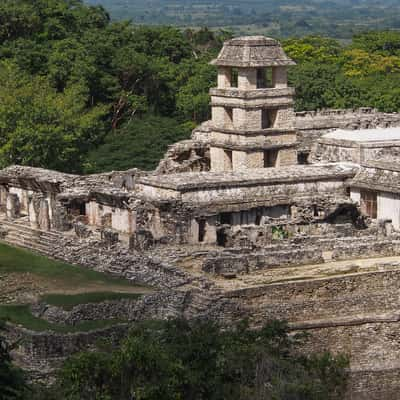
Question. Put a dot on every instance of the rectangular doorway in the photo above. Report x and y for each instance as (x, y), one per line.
(369, 204)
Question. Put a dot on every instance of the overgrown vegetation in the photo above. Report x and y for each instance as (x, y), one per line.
(80, 93)
(200, 361)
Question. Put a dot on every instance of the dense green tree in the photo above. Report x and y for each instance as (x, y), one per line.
(139, 143)
(41, 127)
(197, 360)
(72, 80)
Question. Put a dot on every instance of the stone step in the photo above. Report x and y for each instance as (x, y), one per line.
(26, 245)
(30, 244)
(25, 227)
(25, 235)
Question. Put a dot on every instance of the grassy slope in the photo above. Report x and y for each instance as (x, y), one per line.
(13, 260)
(20, 261)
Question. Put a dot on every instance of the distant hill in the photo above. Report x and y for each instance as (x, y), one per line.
(281, 18)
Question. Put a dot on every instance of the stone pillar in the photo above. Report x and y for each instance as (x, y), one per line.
(220, 159)
(224, 78)
(24, 201)
(247, 79)
(3, 197)
(239, 160)
(13, 206)
(60, 220)
(279, 77)
(44, 218)
(33, 211)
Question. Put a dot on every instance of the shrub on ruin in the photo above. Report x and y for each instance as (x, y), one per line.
(199, 360)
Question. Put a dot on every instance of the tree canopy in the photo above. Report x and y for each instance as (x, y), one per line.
(198, 360)
(82, 93)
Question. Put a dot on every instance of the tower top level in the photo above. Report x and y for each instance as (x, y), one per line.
(252, 52)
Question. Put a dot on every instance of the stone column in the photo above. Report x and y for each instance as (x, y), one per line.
(33, 211)
(44, 218)
(3, 197)
(13, 206)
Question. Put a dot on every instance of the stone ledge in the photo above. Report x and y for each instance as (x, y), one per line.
(252, 94)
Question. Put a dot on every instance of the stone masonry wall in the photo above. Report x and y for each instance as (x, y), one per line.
(310, 126)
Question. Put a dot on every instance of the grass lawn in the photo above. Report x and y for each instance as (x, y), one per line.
(21, 315)
(38, 278)
(19, 260)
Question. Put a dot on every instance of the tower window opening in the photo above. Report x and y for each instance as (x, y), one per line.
(258, 219)
(270, 157)
(268, 118)
(228, 157)
(264, 78)
(225, 218)
(234, 77)
(202, 229)
(229, 117)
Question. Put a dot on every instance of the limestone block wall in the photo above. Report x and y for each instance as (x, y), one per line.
(287, 157)
(388, 206)
(326, 299)
(220, 160)
(121, 220)
(236, 194)
(373, 348)
(335, 151)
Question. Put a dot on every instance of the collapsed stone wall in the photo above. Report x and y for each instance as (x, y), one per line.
(41, 353)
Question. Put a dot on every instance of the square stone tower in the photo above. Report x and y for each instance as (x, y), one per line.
(252, 107)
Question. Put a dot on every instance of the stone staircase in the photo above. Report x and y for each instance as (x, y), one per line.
(20, 234)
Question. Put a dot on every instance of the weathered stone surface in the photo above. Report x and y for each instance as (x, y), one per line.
(13, 205)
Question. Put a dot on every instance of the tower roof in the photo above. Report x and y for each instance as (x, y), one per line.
(252, 51)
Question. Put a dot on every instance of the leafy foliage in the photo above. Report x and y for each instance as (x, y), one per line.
(76, 77)
(180, 360)
(82, 93)
(12, 380)
(140, 143)
(364, 73)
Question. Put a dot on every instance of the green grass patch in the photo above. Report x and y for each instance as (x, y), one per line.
(21, 315)
(14, 260)
(67, 302)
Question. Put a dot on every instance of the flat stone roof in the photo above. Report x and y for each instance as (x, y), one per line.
(365, 135)
(202, 180)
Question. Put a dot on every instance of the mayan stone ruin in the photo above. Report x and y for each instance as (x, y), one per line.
(264, 213)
